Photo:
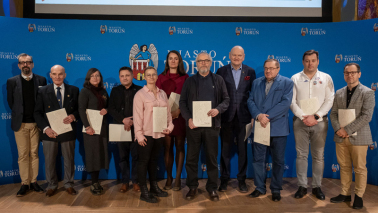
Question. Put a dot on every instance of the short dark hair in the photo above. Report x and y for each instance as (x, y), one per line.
(310, 52)
(87, 84)
(180, 68)
(24, 55)
(141, 47)
(355, 64)
(125, 68)
(272, 60)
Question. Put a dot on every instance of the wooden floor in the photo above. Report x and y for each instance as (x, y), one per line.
(231, 201)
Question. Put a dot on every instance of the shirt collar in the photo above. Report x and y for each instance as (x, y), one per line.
(61, 87)
(24, 76)
(353, 89)
(272, 80)
(148, 90)
(240, 68)
(316, 74)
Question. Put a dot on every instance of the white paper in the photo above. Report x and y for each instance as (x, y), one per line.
(117, 133)
(248, 130)
(173, 101)
(347, 116)
(159, 119)
(261, 134)
(200, 110)
(95, 120)
(56, 121)
(310, 106)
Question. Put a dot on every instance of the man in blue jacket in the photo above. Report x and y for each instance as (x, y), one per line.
(270, 103)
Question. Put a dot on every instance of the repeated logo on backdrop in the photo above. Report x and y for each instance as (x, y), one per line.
(78, 57)
(204, 167)
(238, 30)
(373, 146)
(8, 55)
(374, 86)
(375, 27)
(312, 32)
(172, 30)
(246, 31)
(103, 29)
(335, 167)
(142, 57)
(347, 58)
(41, 28)
(32, 27)
(338, 58)
(180, 30)
(69, 57)
(304, 31)
(111, 29)
(281, 59)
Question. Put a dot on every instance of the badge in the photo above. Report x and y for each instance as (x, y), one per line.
(317, 78)
(306, 80)
(315, 82)
(68, 95)
(320, 82)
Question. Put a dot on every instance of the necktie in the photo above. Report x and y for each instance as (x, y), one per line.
(28, 78)
(59, 96)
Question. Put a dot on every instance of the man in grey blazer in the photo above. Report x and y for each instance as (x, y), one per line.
(21, 96)
(352, 140)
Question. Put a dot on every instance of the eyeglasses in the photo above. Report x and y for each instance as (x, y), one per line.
(25, 62)
(270, 68)
(95, 76)
(353, 73)
(151, 76)
(203, 61)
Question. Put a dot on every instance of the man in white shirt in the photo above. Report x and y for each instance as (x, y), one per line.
(310, 123)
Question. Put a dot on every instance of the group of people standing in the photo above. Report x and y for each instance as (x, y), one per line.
(237, 99)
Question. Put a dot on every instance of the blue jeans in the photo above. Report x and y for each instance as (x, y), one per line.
(277, 150)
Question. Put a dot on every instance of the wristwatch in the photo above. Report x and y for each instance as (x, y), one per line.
(316, 117)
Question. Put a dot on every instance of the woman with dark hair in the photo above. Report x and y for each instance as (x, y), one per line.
(171, 80)
(94, 96)
(149, 141)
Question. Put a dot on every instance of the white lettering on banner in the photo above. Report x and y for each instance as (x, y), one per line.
(9, 173)
(8, 55)
(251, 31)
(45, 28)
(352, 58)
(317, 32)
(6, 116)
(80, 168)
(116, 30)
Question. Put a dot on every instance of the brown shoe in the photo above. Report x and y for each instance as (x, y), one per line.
(124, 187)
(136, 187)
(50, 192)
(71, 191)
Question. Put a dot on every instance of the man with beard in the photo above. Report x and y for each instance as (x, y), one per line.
(21, 97)
(204, 86)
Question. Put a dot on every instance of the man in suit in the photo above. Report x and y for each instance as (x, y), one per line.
(21, 96)
(121, 109)
(50, 98)
(311, 127)
(238, 78)
(204, 86)
(269, 102)
(352, 140)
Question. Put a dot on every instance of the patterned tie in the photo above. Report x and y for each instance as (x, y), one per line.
(59, 96)
(28, 78)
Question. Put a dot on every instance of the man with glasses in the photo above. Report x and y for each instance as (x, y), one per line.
(21, 96)
(204, 86)
(238, 78)
(352, 140)
(269, 102)
(315, 88)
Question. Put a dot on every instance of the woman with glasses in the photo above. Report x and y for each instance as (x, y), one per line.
(93, 96)
(171, 80)
(149, 142)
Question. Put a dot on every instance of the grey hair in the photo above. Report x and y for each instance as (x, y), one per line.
(204, 53)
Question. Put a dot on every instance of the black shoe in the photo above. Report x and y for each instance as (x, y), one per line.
(191, 194)
(358, 202)
(341, 198)
(36, 187)
(145, 195)
(223, 186)
(302, 191)
(22, 191)
(214, 196)
(256, 193)
(243, 186)
(96, 189)
(276, 197)
(155, 190)
(318, 193)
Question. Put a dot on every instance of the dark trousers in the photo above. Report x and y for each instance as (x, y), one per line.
(228, 131)
(148, 159)
(195, 138)
(277, 150)
(50, 150)
(125, 148)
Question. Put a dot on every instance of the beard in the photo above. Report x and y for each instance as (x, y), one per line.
(203, 70)
(26, 71)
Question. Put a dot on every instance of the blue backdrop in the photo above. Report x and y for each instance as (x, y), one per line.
(107, 45)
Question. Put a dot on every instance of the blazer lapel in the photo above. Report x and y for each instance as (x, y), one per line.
(355, 95)
(19, 86)
(230, 76)
(52, 96)
(67, 96)
(276, 82)
(344, 97)
(242, 76)
(35, 80)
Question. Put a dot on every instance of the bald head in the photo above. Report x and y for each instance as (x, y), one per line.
(237, 56)
(57, 74)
